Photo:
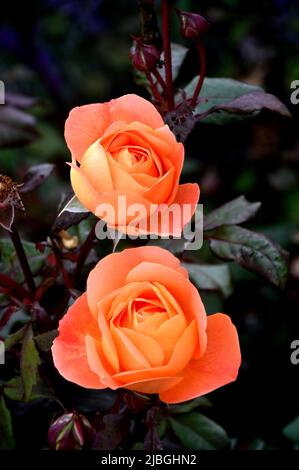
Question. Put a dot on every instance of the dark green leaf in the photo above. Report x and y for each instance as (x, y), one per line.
(14, 390)
(211, 277)
(190, 405)
(6, 433)
(15, 338)
(35, 176)
(257, 444)
(74, 205)
(215, 92)
(234, 212)
(254, 251)
(67, 219)
(17, 126)
(29, 363)
(223, 100)
(197, 432)
(9, 261)
(291, 430)
(252, 102)
(44, 341)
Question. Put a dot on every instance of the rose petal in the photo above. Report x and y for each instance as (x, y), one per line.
(84, 126)
(154, 385)
(102, 280)
(180, 358)
(95, 166)
(181, 288)
(84, 191)
(187, 194)
(68, 350)
(97, 363)
(130, 357)
(150, 348)
(130, 108)
(217, 367)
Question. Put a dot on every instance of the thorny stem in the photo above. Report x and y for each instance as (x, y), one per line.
(167, 54)
(84, 252)
(203, 66)
(22, 258)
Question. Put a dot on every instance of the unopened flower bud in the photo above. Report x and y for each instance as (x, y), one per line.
(145, 57)
(192, 25)
(71, 431)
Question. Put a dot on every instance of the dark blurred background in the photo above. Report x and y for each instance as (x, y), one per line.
(66, 53)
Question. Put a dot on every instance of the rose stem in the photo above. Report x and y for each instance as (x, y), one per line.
(154, 89)
(57, 254)
(12, 285)
(160, 79)
(84, 251)
(22, 258)
(167, 54)
(203, 66)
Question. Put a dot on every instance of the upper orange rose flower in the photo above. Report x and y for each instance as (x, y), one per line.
(123, 148)
(142, 326)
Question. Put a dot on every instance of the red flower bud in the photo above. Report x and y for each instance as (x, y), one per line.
(71, 431)
(192, 25)
(145, 57)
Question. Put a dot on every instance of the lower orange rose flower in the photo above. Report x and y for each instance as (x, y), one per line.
(142, 326)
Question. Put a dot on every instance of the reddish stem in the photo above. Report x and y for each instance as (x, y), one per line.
(154, 89)
(22, 258)
(167, 54)
(13, 286)
(59, 262)
(203, 67)
(160, 80)
(84, 252)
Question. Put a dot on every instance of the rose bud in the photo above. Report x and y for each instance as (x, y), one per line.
(145, 57)
(71, 431)
(192, 25)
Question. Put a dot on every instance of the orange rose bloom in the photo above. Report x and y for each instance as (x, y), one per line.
(124, 148)
(142, 326)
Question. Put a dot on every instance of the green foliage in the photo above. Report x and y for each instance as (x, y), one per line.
(291, 431)
(254, 251)
(211, 277)
(9, 261)
(190, 405)
(6, 433)
(234, 212)
(224, 100)
(15, 338)
(29, 363)
(197, 432)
